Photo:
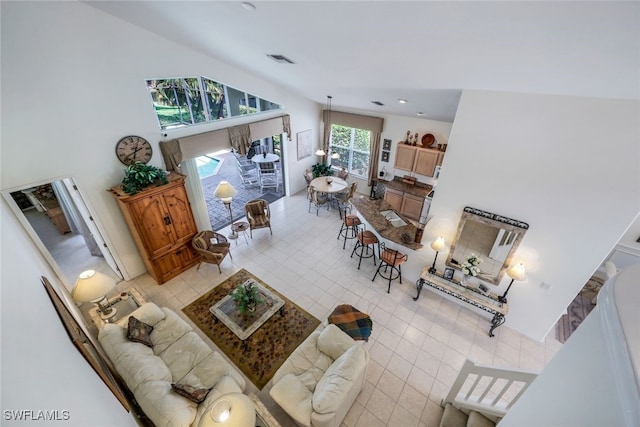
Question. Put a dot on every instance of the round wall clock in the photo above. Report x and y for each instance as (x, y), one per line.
(133, 148)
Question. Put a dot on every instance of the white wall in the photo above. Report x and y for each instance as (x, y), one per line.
(41, 368)
(73, 82)
(568, 166)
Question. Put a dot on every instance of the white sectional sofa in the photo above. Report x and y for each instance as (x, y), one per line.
(178, 355)
(321, 379)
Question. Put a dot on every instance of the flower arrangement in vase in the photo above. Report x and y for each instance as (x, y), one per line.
(470, 266)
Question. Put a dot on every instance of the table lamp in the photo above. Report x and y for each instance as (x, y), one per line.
(233, 410)
(437, 245)
(225, 192)
(93, 286)
(516, 272)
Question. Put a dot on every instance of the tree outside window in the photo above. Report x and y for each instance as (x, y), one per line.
(353, 146)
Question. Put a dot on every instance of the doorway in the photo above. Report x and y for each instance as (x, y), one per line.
(57, 218)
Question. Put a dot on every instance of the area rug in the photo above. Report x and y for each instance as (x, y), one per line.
(268, 347)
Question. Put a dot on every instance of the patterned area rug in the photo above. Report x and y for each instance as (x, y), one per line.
(268, 347)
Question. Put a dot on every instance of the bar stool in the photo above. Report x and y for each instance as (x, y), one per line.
(390, 259)
(364, 239)
(349, 228)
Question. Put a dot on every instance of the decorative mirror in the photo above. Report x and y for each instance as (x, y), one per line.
(492, 238)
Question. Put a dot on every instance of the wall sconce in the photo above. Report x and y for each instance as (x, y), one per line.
(437, 245)
(516, 272)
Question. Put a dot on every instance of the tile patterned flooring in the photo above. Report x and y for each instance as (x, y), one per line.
(416, 348)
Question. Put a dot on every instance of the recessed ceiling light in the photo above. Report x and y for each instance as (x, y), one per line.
(419, 113)
(248, 6)
(377, 103)
(402, 101)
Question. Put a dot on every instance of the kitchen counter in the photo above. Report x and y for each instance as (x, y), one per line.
(420, 189)
(370, 211)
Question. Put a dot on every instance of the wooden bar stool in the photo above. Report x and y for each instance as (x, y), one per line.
(390, 259)
(349, 228)
(364, 239)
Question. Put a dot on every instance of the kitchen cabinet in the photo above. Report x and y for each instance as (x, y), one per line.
(416, 159)
(394, 198)
(162, 225)
(407, 204)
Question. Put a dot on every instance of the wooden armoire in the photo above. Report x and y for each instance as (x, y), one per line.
(161, 222)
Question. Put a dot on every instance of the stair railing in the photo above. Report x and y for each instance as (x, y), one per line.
(487, 389)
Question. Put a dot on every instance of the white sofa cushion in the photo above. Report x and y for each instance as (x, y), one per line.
(307, 361)
(331, 390)
(293, 396)
(333, 341)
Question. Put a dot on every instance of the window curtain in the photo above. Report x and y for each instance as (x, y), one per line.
(240, 137)
(188, 147)
(358, 121)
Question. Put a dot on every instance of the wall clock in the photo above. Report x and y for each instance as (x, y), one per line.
(133, 148)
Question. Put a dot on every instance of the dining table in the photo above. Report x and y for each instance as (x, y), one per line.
(270, 157)
(329, 184)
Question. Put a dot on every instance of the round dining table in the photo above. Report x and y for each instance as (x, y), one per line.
(322, 185)
(270, 157)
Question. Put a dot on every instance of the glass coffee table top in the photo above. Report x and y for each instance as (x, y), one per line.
(243, 325)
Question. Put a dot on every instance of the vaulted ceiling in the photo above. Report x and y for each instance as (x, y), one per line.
(425, 52)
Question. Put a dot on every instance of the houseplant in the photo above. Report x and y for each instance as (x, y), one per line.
(321, 169)
(246, 297)
(138, 175)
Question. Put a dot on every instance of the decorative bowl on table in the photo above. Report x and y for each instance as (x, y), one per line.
(329, 180)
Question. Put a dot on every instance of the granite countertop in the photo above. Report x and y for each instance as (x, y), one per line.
(420, 189)
(370, 210)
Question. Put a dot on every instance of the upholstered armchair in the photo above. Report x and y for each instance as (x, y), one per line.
(258, 215)
(211, 252)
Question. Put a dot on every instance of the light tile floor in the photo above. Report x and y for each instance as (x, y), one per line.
(416, 348)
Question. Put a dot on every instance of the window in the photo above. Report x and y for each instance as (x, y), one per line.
(352, 145)
(192, 100)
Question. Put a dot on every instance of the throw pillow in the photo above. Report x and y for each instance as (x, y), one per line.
(196, 395)
(138, 331)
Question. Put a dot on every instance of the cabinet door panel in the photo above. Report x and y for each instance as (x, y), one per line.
(182, 221)
(412, 206)
(405, 157)
(167, 266)
(426, 162)
(394, 198)
(150, 216)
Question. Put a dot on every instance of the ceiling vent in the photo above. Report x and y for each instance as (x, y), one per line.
(377, 103)
(280, 58)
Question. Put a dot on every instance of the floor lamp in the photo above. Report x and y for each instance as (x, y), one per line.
(225, 192)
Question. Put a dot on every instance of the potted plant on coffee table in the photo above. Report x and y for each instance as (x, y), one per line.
(247, 297)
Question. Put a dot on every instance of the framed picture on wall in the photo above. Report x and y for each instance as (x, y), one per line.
(386, 145)
(304, 144)
(385, 156)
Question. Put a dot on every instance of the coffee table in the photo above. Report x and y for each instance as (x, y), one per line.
(243, 325)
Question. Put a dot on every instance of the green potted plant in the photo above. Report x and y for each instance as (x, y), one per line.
(139, 175)
(246, 297)
(321, 169)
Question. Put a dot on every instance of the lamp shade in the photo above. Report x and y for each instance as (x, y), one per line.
(232, 409)
(225, 191)
(320, 152)
(335, 156)
(91, 286)
(517, 272)
(438, 244)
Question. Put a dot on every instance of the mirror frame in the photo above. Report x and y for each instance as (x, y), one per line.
(499, 221)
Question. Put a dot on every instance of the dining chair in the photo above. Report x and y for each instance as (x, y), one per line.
(318, 199)
(268, 176)
(308, 177)
(344, 198)
(258, 215)
(249, 174)
(343, 174)
(210, 252)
